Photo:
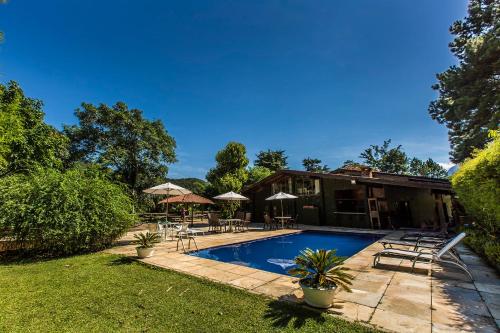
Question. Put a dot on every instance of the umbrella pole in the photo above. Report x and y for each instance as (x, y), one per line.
(281, 207)
(168, 192)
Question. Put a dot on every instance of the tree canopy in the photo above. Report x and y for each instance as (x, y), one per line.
(26, 141)
(257, 173)
(136, 150)
(230, 173)
(273, 160)
(314, 165)
(394, 160)
(469, 93)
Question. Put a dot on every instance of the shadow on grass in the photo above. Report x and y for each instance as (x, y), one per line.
(283, 314)
(121, 261)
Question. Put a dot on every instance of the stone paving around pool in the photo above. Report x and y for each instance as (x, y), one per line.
(389, 297)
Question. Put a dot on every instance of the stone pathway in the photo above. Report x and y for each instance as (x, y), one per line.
(389, 296)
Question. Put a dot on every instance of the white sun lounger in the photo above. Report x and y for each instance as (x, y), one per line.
(430, 257)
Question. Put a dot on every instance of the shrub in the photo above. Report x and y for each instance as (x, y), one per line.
(477, 184)
(64, 213)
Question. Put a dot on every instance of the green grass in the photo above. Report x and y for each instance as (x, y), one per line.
(107, 293)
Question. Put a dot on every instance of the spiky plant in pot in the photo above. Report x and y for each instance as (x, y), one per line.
(146, 243)
(320, 273)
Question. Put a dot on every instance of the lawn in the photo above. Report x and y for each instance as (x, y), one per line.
(104, 293)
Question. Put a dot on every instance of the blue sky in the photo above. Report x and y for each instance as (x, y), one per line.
(316, 78)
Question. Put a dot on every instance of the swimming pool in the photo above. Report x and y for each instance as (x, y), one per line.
(276, 254)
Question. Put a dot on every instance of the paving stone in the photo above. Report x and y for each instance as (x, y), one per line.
(247, 282)
(352, 311)
(489, 288)
(476, 324)
(492, 302)
(399, 323)
(264, 276)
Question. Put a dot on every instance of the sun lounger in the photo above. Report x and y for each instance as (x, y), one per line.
(416, 244)
(429, 256)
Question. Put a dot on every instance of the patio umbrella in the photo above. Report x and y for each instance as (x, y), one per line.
(281, 196)
(231, 196)
(168, 189)
(190, 198)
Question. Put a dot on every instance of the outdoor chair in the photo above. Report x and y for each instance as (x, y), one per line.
(238, 225)
(184, 233)
(294, 221)
(247, 221)
(429, 257)
(269, 223)
(161, 230)
(214, 223)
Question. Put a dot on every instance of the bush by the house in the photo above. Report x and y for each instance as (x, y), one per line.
(63, 213)
(477, 184)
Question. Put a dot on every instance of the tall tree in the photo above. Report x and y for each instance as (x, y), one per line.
(136, 150)
(385, 159)
(26, 141)
(427, 168)
(469, 93)
(257, 173)
(230, 172)
(273, 160)
(314, 165)
(394, 160)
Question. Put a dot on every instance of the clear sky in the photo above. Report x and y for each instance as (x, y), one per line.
(323, 79)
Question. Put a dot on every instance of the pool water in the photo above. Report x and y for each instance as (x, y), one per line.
(276, 254)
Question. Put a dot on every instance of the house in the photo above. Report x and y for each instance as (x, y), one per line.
(355, 197)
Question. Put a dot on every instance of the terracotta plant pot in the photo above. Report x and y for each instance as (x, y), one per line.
(145, 252)
(318, 297)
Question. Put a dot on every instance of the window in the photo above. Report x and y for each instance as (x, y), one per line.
(350, 201)
(307, 186)
(284, 185)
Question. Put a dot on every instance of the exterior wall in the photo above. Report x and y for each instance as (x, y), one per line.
(321, 208)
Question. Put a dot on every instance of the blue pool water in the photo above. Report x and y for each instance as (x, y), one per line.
(276, 254)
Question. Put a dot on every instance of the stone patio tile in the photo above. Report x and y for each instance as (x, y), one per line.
(451, 313)
(492, 302)
(476, 324)
(362, 297)
(264, 276)
(411, 294)
(489, 288)
(247, 282)
(454, 294)
(187, 268)
(273, 289)
(399, 323)
(375, 277)
(179, 265)
(352, 311)
(223, 276)
(204, 271)
(237, 269)
(407, 304)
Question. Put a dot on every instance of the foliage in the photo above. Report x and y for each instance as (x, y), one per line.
(195, 185)
(469, 93)
(484, 244)
(477, 184)
(273, 160)
(394, 160)
(110, 293)
(63, 213)
(314, 165)
(26, 142)
(135, 149)
(230, 172)
(147, 240)
(257, 173)
(351, 164)
(427, 168)
(321, 269)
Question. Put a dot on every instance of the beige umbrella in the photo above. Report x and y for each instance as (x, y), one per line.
(281, 196)
(168, 189)
(231, 196)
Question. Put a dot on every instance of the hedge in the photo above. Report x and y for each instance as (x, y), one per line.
(61, 213)
(477, 185)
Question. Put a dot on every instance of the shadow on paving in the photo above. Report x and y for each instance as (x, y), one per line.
(283, 314)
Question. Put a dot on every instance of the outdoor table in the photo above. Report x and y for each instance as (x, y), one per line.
(283, 219)
(230, 222)
(170, 226)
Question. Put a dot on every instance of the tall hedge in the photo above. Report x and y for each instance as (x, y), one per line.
(477, 184)
(64, 213)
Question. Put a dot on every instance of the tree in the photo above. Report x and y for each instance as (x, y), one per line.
(427, 168)
(195, 185)
(273, 160)
(469, 93)
(314, 165)
(136, 150)
(257, 173)
(351, 164)
(230, 172)
(393, 160)
(26, 141)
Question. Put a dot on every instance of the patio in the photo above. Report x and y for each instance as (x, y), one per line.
(388, 297)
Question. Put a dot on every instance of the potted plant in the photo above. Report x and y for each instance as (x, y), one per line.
(320, 274)
(146, 244)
